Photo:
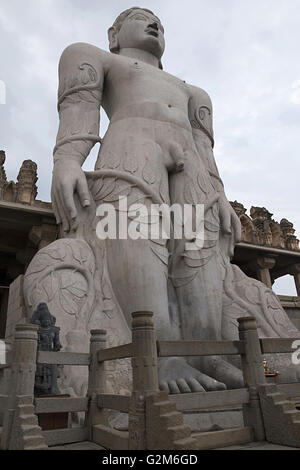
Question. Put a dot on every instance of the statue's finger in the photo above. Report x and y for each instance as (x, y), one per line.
(236, 224)
(83, 192)
(225, 218)
(63, 213)
(56, 209)
(69, 201)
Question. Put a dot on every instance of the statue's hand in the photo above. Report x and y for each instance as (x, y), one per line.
(230, 225)
(68, 178)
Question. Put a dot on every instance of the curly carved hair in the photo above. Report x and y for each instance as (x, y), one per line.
(121, 18)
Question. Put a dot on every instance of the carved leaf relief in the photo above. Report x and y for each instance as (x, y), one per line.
(148, 173)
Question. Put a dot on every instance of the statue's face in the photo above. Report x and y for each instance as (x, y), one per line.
(45, 322)
(142, 30)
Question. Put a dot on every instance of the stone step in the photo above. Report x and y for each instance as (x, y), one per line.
(26, 409)
(163, 407)
(179, 432)
(187, 443)
(224, 438)
(31, 430)
(33, 441)
(25, 400)
(29, 419)
(292, 415)
(174, 418)
(40, 447)
(277, 397)
(286, 405)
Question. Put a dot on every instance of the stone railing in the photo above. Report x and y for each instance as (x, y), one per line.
(155, 419)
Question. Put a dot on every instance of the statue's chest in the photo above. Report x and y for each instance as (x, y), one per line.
(46, 337)
(142, 79)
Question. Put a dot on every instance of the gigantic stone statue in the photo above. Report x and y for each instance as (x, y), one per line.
(158, 149)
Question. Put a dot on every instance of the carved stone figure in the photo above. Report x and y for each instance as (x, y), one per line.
(26, 186)
(48, 340)
(288, 231)
(3, 179)
(158, 149)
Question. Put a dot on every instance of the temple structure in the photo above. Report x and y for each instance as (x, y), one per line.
(268, 250)
(26, 225)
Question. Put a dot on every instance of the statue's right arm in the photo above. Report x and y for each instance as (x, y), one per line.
(81, 77)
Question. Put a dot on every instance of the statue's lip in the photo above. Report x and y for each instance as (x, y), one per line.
(152, 32)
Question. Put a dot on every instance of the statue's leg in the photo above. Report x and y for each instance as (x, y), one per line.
(199, 292)
(198, 274)
(138, 269)
(139, 281)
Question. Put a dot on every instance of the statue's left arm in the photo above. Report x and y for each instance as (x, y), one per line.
(200, 116)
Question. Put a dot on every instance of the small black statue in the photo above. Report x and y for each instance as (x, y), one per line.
(48, 340)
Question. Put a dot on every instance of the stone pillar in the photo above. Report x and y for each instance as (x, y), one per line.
(24, 359)
(144, 376)
(97, 381)
(254, 376)
(43, 235)
(144, 361)
(264, 264)
(22, 376)
(16, 310)
(295, 271)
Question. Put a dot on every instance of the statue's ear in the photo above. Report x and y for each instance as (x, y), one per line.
(113, 40)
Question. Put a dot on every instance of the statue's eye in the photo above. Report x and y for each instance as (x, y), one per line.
(140, 17)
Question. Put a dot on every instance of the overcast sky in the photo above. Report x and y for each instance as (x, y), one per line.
(244, 53)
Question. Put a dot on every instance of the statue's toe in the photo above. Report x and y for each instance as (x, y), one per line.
(195, 385)
(210, 384)
(183, 386)
(173, 387)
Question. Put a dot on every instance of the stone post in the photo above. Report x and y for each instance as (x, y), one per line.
(144, 375)
(96, 382)
(254, 375)
(295, 271)
(264, 264)
(22, 374)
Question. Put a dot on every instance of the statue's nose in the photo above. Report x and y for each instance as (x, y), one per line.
(154, 25)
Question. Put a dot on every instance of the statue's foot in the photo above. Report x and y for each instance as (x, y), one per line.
(221, 370)
(177, 376)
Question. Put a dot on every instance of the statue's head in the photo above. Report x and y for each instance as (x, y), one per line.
(42, 316)
(137, 28)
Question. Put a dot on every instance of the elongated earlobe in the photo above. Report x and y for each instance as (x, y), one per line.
(113, 40)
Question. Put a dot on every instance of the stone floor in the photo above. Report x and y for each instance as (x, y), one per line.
(86, 445)
(258, 446)
(250, 446)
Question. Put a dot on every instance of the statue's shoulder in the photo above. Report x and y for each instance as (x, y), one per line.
(199, 97)
(83, 53)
